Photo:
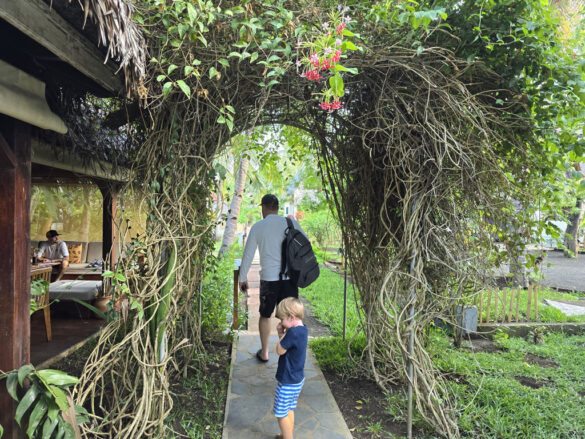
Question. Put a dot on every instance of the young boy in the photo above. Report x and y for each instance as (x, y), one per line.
(292, 349)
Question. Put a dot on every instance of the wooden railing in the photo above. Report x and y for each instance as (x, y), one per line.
(504, 305)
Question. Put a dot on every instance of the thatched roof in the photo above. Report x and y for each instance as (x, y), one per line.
(116, 32)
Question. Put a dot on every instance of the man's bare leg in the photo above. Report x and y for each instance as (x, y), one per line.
(64, 265)
(264, 330)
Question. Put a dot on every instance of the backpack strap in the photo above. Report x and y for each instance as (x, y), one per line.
(290, 226)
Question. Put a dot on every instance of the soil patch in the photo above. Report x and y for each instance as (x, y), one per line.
(530, 382)
(315, 326)
(363, 405)
(455, 377)
(484, 345)
(541, 361)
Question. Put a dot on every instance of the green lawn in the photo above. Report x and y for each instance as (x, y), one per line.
(487, 388)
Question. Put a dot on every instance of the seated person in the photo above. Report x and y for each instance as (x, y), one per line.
(54, 250)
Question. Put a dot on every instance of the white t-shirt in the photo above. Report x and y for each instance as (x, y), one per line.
(266, 235)
(53, 251)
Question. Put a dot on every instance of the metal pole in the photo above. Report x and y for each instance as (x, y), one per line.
(411, 342)
(344, 291)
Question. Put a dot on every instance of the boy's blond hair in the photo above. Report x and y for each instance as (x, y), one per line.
(290, 306)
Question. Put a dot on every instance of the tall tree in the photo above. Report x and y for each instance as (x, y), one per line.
(234, 212)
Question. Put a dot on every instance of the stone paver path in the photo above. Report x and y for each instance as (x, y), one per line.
(251, 389)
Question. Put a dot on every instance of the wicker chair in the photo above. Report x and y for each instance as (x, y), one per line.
(43, 300)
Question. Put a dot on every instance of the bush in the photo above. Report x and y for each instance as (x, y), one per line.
(217, 292)
(332, 353)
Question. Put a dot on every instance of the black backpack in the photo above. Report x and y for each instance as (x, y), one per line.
(298, 259)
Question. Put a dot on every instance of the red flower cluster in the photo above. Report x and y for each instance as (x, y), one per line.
(336, 57)
(340, 28)
(312, 75)
(331, 106)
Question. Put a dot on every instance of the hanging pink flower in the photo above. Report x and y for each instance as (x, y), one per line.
(325, 26)
(338, 42)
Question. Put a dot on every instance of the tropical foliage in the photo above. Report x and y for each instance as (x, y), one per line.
(457, 118)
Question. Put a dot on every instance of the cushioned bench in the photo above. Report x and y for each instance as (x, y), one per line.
(74, 289)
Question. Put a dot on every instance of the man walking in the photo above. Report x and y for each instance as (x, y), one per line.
(267, 235)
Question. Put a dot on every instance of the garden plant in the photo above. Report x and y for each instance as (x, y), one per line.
(435, 125)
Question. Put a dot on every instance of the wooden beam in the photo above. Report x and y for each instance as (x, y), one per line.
(44, 154)
(38, 21)
(15, 263)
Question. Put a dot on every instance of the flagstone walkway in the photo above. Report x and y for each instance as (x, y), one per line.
(248, 411)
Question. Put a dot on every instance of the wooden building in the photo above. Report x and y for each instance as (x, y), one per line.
(47, 48)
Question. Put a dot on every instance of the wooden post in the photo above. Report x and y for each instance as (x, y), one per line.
(536, 287)
(504, 302)
(496, 304)
(510, 307)
(15, 156)
(110, 205)
(480, 306)
(235, 315)
(528, 305)
(517, 306)
(489, 304)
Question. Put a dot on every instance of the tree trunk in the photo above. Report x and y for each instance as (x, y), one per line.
(85, 215)
(234, 212)
(572, 230)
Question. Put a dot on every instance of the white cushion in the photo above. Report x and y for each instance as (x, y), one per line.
(78, 289)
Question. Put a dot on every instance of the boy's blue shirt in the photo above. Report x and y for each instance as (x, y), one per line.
(291, 365)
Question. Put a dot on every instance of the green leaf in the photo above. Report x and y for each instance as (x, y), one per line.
(236, 54)
(56, 377)
(253, 57)
(97, 312)
(230, 109)
(36, 416)
(171, 69)
(221, 119)
(26, 401)
(187, 90)
(53, 408)
(336, 84)
(188, 70)
(348, 45)
(212, 72)
(347, 33)
(11, 385)
(23, 373)
(109, 273)
(49, 427)
(60, 397)
(202, 39)
(224, 62)
(230, 124)
(167, 87)
(341, 68)
(159, 78)
(192, 12)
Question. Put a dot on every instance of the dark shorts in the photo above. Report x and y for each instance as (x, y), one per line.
(272, 292)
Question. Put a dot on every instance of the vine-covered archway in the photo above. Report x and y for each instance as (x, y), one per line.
(417, 162)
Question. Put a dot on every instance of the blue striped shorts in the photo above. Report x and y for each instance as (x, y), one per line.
(285, 398)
